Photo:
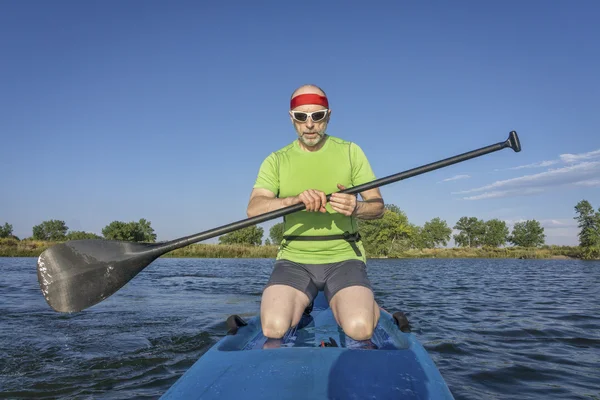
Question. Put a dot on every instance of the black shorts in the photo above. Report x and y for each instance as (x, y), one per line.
(310, 278)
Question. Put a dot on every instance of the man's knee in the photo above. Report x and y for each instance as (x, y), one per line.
(275, 327)
(358, 328)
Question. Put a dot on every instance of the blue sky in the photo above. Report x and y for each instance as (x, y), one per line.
(165, 110)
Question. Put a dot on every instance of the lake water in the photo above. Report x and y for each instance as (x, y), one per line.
(496, 329)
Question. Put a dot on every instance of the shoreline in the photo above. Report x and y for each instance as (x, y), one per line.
(33, 248)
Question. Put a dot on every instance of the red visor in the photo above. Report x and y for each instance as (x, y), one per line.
(309, 98)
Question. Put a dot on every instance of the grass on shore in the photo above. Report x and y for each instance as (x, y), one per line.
(548, 252)
(33, 248)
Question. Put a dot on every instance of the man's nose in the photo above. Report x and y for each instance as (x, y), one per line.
(309, 122)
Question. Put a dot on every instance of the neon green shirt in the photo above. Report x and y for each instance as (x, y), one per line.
(292, 170)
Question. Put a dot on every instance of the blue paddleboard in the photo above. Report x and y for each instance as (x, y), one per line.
(315, 360)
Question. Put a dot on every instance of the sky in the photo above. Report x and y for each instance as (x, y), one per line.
(165, 110)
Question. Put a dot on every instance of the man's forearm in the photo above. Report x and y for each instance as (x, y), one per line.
(263, 204)
(369, 209)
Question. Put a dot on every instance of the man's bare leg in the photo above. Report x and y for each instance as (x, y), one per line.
(356, 311)
(281, 308)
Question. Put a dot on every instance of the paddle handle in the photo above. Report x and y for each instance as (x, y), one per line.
(512, 142)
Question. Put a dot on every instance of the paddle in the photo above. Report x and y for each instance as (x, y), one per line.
(78, 274)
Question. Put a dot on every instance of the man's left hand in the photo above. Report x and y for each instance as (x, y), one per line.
(343, 203)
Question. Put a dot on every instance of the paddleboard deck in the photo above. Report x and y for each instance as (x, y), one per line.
(314, 360)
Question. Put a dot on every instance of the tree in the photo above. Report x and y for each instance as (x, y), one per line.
(147, 230)
(435, 232)
(392, 232)
(53, 230)
(588, 223)
(267, 242)
(496, 233)
(528, 234)
(140, 231)
(80, 235)
(276, 233)
(249, 236)
(472, 232)
(6, 230)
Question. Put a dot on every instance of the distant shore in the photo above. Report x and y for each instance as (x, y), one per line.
(33, 248)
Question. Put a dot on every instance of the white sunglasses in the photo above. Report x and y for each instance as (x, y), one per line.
(316, 116)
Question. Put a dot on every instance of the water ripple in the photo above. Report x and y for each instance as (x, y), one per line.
(497, 329)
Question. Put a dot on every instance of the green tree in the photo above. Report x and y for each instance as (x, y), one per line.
(80, 235)
(249, 236)
(147, 230)
(53, 230)
(589, 229)
(433, 233)
(418, 240)
(496, 233)
(387, 235)
(140, 231)
(267, 242)
(472, 232)
(6, 230)
(588, 223)
(395, 209)
(528, 234)
(276, 233)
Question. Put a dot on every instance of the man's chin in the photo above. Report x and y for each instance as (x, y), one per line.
(313, 141)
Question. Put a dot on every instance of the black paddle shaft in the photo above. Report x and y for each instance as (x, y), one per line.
(512, 142)
(80, 273)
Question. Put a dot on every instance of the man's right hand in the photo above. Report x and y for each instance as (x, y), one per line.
(314, 200)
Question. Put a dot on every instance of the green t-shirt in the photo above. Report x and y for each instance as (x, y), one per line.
(292, 170)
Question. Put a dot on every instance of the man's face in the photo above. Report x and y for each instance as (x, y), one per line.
(310, 132)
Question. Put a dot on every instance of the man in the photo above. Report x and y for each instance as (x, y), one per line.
(314, 254)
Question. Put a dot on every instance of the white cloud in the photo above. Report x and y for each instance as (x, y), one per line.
(526, 184)
(559, 223)
(456, 177)
(541, 164)
(548, 223)
(505, 193)
(573, 158)
(580, 170)
(589, 183)
(562, 231)
(564, 158)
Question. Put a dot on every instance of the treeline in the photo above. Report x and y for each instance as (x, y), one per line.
(393, 235)
(57, 231)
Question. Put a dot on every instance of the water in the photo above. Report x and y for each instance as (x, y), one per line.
(497, 329)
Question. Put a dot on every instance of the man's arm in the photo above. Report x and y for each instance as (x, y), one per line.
(263, 201)
(371, 206)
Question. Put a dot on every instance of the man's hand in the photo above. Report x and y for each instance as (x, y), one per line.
(343, 203)
(314, 200)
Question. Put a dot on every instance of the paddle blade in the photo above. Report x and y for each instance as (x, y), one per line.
(78, 274)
